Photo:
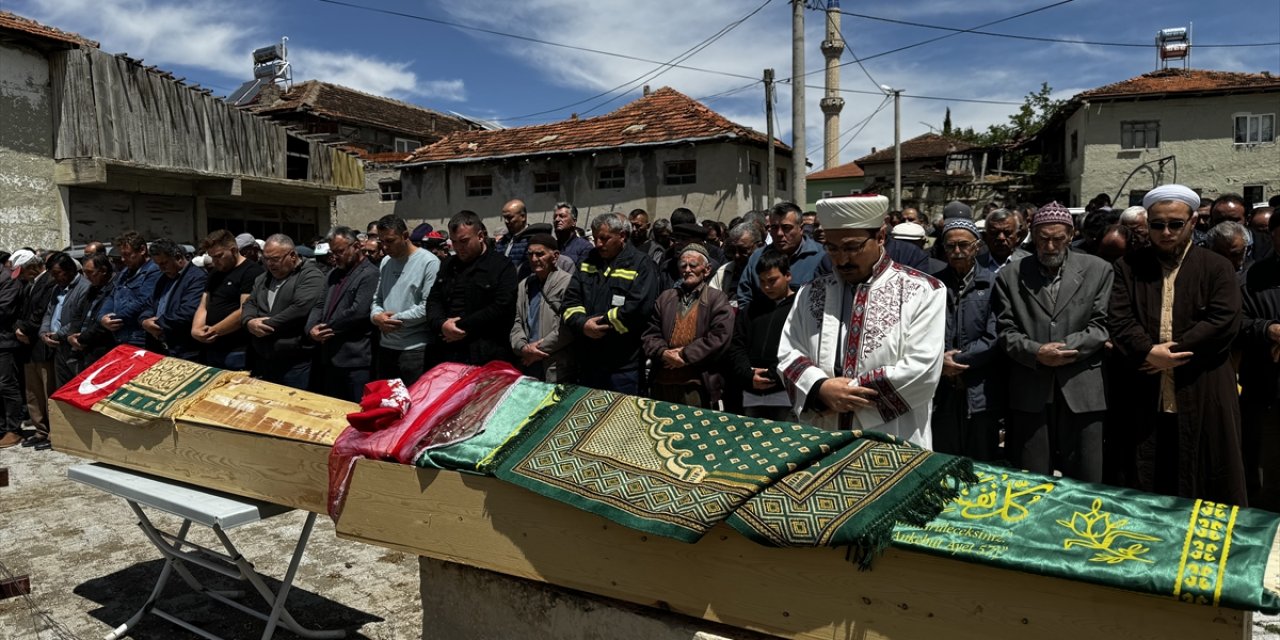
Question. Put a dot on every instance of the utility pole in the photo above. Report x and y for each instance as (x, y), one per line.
(897, 149)
(769, 180)
(798, 170)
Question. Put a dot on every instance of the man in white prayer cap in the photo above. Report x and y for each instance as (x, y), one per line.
(1174, 315)
(862, 347)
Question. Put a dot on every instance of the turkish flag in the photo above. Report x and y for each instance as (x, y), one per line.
(102, 378)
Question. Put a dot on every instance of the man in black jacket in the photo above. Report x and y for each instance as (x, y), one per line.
(1260, 375)
(339, 322)
(473, 304)
(608, 304)
(10, 373)
(35, 355)
(752, 358)
(276, 312)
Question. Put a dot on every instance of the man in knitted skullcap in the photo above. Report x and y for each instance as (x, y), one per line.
(862, 347)
(1051, 319)
(1175, 313)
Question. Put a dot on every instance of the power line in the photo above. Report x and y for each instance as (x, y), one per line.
(1042, 38)
(866, 121)
(944, 37)
(698, 48)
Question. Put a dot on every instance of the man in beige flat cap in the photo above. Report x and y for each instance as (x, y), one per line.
(862, 347)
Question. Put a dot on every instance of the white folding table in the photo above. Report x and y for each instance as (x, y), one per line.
(217, 511)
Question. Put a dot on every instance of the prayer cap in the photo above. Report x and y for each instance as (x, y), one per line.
(1053, 213)
(1174, 192)
(694, 247)
(957, 209)
(960, 223)
(20, 258)
(908, 231)
(865, 211)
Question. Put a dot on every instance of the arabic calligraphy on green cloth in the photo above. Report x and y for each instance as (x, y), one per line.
(1193, 550)
(160, 390)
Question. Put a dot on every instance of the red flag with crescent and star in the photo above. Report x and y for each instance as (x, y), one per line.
(102, 378)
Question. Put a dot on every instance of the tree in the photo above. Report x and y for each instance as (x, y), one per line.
(1036, 111)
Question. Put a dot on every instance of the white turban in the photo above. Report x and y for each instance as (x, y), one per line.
(852, 212)
(1175, 192)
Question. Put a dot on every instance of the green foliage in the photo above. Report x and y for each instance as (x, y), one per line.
(1035, 112)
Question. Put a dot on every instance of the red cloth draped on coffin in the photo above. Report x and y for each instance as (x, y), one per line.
(439, 395)
(104, 377)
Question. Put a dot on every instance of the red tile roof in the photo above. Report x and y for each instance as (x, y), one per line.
(929, 145)
(1175, 81)
(337, 102)
(14, 22)
(846, 170)
(662, 117)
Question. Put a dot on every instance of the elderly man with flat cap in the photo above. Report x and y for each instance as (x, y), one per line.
(1051, 318)
(862, 347)
(1175, 312)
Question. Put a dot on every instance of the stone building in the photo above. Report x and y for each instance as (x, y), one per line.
(936, 170)
(92, 144)
(662, 151)
(1214, 131)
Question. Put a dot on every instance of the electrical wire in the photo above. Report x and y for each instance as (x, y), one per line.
(661, 69)
(865, 121)
(1015, 36)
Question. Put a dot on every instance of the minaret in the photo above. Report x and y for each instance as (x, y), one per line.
(831, 102)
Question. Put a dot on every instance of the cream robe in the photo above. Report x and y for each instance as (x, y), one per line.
(896, 335)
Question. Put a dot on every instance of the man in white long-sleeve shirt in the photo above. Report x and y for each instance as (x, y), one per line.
(862, 347)
(399, 311)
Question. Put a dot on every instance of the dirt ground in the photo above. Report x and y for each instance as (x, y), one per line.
(91, 567)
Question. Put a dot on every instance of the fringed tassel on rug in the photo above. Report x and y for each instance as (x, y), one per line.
(943, 485)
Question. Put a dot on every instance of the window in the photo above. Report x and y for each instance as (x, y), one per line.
(754, 170)
(1075, 145)
(479, 186)
(782, 179)
(826, 194)
(548, 182)
(1253, 195)
(389, 190)
(1140, 134)
(1255, 128)
(405, 145)
(680, 172)
(1136, 196)
(611, 178)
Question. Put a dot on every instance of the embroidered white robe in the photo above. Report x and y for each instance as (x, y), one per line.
(893, 343)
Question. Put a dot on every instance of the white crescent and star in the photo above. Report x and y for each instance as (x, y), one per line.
(87, 386)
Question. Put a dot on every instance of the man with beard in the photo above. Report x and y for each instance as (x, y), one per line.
(339, 322)
(217, 321)
(862, 349)
(1175, 313)
(1051, 318)
(966, 407)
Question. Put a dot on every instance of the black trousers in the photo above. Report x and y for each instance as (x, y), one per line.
(11, 391)
(408, 365)
(345, 383)
(1056, 438)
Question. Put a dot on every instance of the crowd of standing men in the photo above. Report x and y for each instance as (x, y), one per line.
(1138, 348)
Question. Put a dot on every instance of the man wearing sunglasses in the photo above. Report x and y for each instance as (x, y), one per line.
(1175, 312)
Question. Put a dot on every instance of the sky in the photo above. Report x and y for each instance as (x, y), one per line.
(449, 56)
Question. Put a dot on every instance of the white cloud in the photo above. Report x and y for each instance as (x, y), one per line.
(372, 75)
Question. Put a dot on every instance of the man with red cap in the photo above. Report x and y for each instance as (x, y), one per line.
(862, 347)
(1051, 318)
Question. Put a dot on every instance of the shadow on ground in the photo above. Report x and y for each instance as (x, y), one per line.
(120, 595)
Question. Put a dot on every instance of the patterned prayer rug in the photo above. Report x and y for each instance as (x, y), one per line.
(161, 390)
(853, 497)
(662, 468)
(1193, 550)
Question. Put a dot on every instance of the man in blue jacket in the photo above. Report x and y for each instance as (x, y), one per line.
(122, 313)
(173, 303)
(808, 259)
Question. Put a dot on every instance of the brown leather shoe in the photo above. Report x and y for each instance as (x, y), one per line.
(10, 439)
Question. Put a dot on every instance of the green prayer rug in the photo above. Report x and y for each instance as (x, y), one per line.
(853, 497)
(658, 467)
(1196, 551)
(161, 390)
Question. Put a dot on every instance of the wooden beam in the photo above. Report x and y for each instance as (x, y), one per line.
(793, 593)
(80, 172)
(229, 187)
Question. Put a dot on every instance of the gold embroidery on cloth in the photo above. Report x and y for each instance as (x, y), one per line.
(1204, 552)
(1096, 531)
(992, 496)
